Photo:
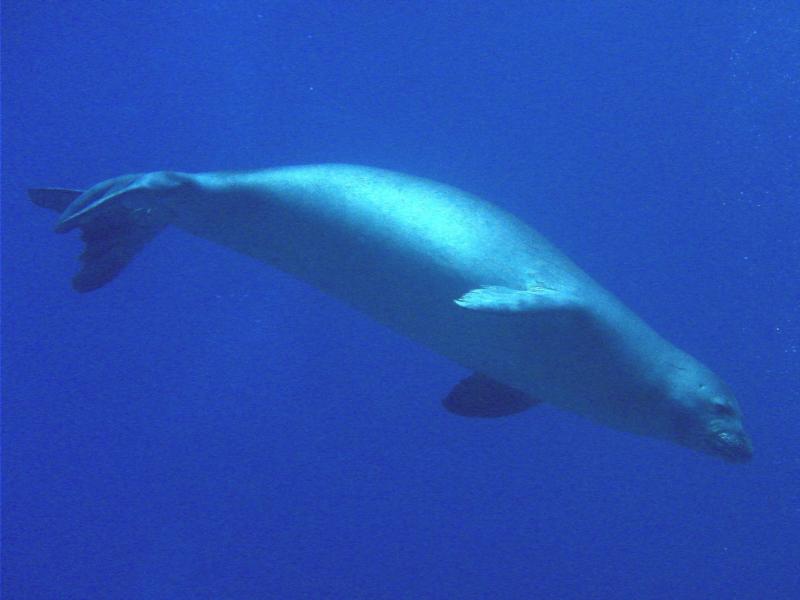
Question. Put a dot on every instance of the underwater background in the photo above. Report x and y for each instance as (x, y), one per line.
(207, 427)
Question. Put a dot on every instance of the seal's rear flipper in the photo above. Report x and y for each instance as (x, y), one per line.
(112, 235)
(481, 396)
(57, 199)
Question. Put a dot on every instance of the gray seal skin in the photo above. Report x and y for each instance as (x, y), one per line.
(453, 272)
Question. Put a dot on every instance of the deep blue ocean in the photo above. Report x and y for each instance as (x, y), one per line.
(206, 427)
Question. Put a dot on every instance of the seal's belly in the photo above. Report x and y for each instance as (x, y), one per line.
(397, 284)
(406, 267)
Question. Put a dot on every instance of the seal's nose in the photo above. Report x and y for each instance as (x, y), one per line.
(734, 447)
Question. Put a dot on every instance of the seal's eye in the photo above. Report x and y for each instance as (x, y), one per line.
(722, 408)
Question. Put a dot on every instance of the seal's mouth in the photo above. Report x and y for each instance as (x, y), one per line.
(722, 439)
(734, 447)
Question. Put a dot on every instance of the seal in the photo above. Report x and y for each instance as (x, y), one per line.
(449, 270)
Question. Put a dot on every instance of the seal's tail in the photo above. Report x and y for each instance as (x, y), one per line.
(113, 227)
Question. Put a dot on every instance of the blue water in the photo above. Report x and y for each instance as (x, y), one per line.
(206, 427)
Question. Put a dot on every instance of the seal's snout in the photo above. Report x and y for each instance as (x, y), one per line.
(733, 447)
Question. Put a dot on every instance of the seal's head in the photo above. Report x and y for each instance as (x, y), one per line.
(706, 415)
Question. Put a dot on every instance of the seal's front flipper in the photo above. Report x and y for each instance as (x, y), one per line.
(481, 396)
(116, 218)
(504, 300)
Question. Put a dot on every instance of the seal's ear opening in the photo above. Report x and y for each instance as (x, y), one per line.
(113, 235)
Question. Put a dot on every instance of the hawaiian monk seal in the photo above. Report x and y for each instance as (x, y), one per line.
(445, 268)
